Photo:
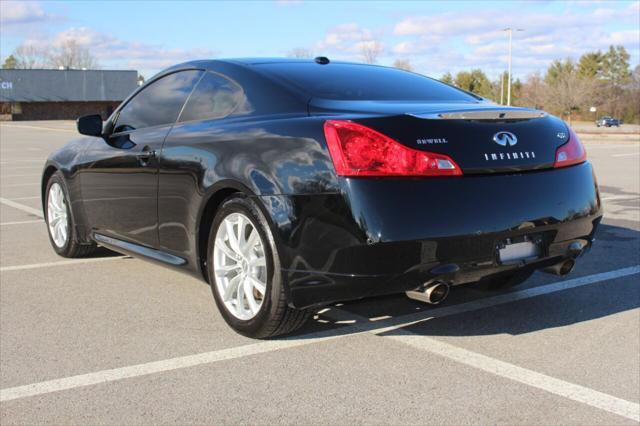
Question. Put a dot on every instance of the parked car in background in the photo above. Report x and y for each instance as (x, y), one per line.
(290, 184)
(607, 121)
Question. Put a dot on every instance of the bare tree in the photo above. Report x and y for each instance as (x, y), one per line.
(566, 90)
(403, 64)
(70, 55)
(30, 56)
(370, 50)
(533, 92)
(300, 52)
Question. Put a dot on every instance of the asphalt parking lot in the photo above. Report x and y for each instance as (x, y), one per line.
(114, 340)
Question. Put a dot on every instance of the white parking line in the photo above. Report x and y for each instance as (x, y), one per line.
(620, 197)
(11, 185)
(19, 167)
(26, 126)
(24, 198)
(21, 222)
(22, 207)
(27, 175)
(138, 370)
(603, 401)
(626, 155)
(59, 263)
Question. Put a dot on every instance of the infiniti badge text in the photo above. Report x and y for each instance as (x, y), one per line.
(493, 156)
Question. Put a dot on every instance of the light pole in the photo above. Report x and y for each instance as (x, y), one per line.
(510, 31)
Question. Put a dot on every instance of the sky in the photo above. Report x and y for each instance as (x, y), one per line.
(436, 37)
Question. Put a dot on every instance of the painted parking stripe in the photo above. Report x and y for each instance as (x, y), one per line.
(22, 175)
(19, 206)
(162, 366)
(626, 155)
(138, 370)
(620, 197)
(11, 185)
(33, 197)
(21, 222)
(593, 398)
(26, 126)
(59, 263)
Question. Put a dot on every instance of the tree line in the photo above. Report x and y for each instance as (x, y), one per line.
(66, 55)
(567, 88)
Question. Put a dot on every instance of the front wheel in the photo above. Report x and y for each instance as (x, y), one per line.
(244, 270)
(60, 224)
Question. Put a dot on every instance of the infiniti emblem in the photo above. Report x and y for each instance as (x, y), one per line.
(505, 139)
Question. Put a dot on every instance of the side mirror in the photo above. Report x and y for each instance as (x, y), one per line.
(90, 125)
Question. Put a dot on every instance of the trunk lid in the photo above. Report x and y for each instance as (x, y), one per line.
(480, 137)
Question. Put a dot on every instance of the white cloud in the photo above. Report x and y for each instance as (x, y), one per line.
(480, 41)
(351, 41)
(288, 2)
(112, 52)
(21, 12)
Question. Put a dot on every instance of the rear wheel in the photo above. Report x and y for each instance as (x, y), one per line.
(505, 281)
(244, 267)
(60, 223)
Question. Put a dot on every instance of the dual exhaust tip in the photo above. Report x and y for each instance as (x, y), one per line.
(437, 291)
(433, 293)
(563, 268)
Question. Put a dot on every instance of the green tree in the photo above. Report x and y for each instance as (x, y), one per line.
(474, 81)
(447, 78)
(10, 63)
(615, 65)
(591, 64)
(558, 70)
(616, 73)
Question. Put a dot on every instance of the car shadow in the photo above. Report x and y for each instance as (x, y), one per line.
(102, 252)
(617, 248)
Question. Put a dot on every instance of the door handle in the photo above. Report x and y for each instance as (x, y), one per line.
(145, 155)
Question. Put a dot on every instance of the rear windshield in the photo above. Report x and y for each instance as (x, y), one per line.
(362, 82)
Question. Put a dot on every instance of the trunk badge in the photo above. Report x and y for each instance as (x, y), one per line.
(505, 138)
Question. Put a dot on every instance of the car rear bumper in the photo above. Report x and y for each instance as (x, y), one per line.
(384, 236)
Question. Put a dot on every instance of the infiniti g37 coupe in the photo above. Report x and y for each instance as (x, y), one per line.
(292, 184)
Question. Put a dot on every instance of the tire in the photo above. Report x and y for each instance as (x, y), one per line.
(232, 270)
(504, 281)
(56, 206)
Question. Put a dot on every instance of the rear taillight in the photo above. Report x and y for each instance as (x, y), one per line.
(572, 152)
(357, 150)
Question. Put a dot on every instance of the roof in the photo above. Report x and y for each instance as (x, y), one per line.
(39, 85)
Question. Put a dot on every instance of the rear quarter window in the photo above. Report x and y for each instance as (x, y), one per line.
(214, 97)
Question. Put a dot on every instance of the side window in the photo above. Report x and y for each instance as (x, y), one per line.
(159, 103)
(214, 97)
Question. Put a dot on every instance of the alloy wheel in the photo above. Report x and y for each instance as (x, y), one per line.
(240, 266)
(57, 215)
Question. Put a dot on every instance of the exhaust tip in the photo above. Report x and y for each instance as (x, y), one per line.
(563, 268)
(567, 266)
(433, 293)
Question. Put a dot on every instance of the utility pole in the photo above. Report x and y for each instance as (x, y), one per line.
(510, 31)
(502, 88)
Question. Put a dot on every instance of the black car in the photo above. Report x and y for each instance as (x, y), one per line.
(608, 122)
(292, 184)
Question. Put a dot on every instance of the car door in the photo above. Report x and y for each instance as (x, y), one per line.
(192, 152)
(119, 181)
